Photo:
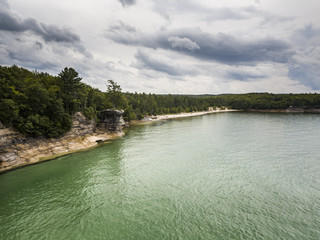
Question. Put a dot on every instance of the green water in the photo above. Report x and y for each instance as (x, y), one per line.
(220, 176)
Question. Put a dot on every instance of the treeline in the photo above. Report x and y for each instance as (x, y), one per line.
(143, 104)
(38, 104)
(266, 101)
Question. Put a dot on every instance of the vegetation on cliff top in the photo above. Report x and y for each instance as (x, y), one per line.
(38, 104)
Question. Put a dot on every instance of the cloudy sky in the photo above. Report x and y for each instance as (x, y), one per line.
(169, 46)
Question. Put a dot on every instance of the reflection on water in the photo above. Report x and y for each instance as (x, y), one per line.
(220, 176)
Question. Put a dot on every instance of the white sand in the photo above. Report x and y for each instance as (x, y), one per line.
(182, 115)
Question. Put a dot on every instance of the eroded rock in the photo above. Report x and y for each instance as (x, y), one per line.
(17, 150)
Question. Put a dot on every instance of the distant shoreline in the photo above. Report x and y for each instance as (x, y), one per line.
(149, 119)
(289, 110)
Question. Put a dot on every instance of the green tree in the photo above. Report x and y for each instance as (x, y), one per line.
(9, 111)
(70, 86)
(115, 94)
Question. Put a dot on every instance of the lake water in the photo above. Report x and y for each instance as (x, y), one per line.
(219, 176)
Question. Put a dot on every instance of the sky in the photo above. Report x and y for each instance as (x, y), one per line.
(169, 46)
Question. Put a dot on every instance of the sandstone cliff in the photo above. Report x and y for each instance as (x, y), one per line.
(17, 150)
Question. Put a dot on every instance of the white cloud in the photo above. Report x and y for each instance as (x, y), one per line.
(169, 46)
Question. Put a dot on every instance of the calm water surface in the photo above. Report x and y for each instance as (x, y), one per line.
(220, 176)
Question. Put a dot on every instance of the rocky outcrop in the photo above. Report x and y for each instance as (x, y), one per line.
(8, 135)
(112, 120)
(81, 126)
(17, 150)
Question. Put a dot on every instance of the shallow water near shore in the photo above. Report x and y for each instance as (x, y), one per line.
(218, 176)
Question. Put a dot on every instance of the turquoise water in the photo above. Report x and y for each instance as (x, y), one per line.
(219, 176)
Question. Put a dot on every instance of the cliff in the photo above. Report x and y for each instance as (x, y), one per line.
(17, 150)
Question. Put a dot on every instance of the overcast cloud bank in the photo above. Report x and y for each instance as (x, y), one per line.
(169, 46)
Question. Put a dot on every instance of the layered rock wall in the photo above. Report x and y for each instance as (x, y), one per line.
(112, 120)
(17, 150)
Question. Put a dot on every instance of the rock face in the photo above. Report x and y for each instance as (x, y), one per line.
(17, 150)
(112, 120)
(81, 125)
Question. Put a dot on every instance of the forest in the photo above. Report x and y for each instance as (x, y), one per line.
(39, 104)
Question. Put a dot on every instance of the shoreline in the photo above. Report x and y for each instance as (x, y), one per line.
(17, 150)
(31, 151)
(36, 151)
(150, 119)
(294, 110)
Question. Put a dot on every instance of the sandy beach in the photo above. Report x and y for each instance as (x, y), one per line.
(179, 115)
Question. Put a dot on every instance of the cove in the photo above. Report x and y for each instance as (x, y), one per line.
(219, 176)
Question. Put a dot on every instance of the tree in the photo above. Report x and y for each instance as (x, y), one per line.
(9, 111)
(70, 86)
(114, 93)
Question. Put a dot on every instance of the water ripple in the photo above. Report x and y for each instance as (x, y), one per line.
(222, 176)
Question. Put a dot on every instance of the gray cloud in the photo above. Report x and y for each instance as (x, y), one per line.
(221, 47)
(168, 8)
(33, 50)
(155, 62)
(271, 19)
(305, 66)
(231, 46)
(172, 7)
(243, 75)
(307, 73)
(147, 61)
(126, 3)
(307, 36)
(217, 14)
(25, 55)
(38, 45)
(124, 34)
(309, 31)
(121, 27)
(50, 33)
(26, 52)
(177, 42)
(4, 4)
